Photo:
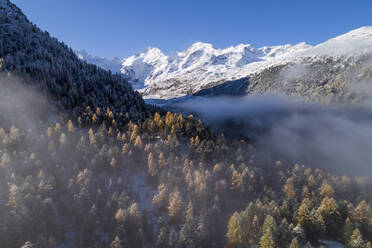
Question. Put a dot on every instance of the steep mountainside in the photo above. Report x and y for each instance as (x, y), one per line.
(324, 80)
(53, 67)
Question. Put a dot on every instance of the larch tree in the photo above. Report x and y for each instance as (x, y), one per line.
(175, 204)
(267, 240)
(294, 243)
(234, 231)
(356, 240)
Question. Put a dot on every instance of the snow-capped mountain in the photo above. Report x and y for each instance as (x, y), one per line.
(113, 65)
(161, 76)
(203, 66)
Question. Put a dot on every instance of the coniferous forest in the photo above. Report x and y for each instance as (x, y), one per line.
(84, 162)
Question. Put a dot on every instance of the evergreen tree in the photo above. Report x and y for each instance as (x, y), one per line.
(162, 238)
(234, 232)
(175, 204)
(294, 243)
(267, 240)
(348, 231)
(356, 240)
(303, 215)
(116, 243)
(270, 226)
(284, 234)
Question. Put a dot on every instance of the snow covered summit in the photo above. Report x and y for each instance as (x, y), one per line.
(184, 72)
(157, 75)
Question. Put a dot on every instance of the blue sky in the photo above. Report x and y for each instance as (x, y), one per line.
(122, 28)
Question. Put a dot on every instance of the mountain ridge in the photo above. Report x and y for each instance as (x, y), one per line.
(202, 66)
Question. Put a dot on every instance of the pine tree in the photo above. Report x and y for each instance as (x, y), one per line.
(116, 243)
(284, 234)
(255, 227)
(162, 240)
(356, 240)
(173, 238)
(120, 215)
(151, 166)
(326, 190)
(189, 214)
(134, 213)
(267, 240)
(303, 215)
(294, 243)
(311, 182)
(270, 225)
(161, 160)
(70, 126)
(289, 188)
(360, 213)
(234, 231)
(175, 204)
(348, 231)
(138, 142)
(317, 225)
(236, 181)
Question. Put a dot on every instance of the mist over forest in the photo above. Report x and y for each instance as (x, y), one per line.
(333, 137)
(85, 162)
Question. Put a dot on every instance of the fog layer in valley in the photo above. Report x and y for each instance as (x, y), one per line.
(331, 137)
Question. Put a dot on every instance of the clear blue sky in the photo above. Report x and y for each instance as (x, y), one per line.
(124, 27)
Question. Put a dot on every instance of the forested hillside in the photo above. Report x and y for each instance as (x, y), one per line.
(54, 68)
(167, 181)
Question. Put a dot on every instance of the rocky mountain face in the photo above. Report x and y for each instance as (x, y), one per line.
(53, 67)
(324, 80)
(336, 70)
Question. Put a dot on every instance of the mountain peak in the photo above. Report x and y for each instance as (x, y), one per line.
(152, 50)
(200, 46)
(201, 64)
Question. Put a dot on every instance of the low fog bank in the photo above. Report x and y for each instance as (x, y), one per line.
(22, 105)
(330, 137)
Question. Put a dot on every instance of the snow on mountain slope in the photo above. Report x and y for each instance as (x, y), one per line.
(139, 68)
(162, 76)
(201, 66)
(108, 64)
(354, 43)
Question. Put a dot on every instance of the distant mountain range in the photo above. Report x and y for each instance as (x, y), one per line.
(326, 69)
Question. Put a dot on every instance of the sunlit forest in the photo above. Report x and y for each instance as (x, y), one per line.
(84, 162)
